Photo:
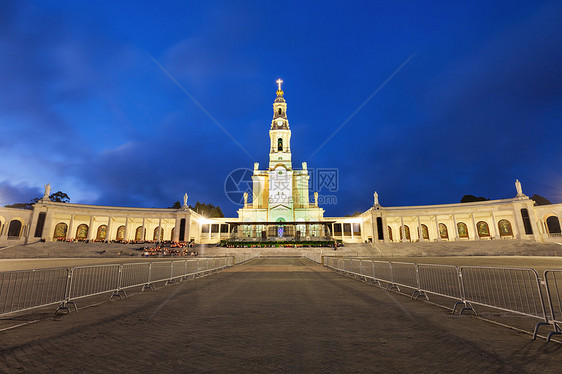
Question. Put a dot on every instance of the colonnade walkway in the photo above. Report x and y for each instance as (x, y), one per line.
(270, 315)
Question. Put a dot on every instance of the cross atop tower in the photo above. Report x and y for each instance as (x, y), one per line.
(279, 81)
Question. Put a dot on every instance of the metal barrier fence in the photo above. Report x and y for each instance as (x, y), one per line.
(514, 290)
(31, 289)
(553, 283)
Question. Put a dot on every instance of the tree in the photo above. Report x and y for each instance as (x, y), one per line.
(207, 210)
(539, 200)
(57, 197)
(176, 205)
(472, 199)
(356, 214)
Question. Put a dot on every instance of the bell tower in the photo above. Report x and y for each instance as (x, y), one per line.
(280, 133)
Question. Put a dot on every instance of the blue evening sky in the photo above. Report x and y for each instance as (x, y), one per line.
(88, 103)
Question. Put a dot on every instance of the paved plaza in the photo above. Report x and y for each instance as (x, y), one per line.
(285, 315)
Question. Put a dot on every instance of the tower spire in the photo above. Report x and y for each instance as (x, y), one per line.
(279, 90)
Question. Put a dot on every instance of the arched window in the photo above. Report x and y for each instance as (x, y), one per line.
(120, 233)
(280, 144)
(14, 230)
(425, 232)
(390, 233)
(280, 111)
(553, 225)
(156, 233)
(407, 231)
(504, 227)
(82, 231)
(102, 232)
(60, 231)
(443, 232)
(139, 234)
(483, 229)
(462, 230)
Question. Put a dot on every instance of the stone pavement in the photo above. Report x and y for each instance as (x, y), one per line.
(281, 315)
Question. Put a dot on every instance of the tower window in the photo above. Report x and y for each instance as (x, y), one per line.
(280, 112)
(280, 144)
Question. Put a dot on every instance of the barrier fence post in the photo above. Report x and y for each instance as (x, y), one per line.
(63, 305)
(118, 291)
(149, 284)
(551, 281)
(392, 286)
(419, 292)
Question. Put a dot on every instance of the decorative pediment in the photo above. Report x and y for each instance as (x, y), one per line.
(280, 207)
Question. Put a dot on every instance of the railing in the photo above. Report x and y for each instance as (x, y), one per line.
(553, 283)
(31, 289)
(514, 290)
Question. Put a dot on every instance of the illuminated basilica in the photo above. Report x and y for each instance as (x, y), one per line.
(282, 210)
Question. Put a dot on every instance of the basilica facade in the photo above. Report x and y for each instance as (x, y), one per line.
(281, 208)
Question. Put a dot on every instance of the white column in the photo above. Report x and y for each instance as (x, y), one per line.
(495, 230)
(158, 238)
(187, 227)
(90, 235)
(403, 229)
(143, 231)
(420, 231)
(126, 233)
(437, 229)
(455, 228)
(109, 227)
(47, 230)
(177, 229)
(375, 228)
(476, 237)
(70, 234)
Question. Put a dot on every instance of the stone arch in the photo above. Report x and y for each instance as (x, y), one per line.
(483, 229)
(2, 224)
(504, 227)
(462, 229)
(155, 236)
(443, 232)
(61, 230)
(425, 231)
(15, 229)
(390, 233)
(82, 231)
(102, 232)
(553, 225)
(406, 231)
(139, 234)
(120, 233)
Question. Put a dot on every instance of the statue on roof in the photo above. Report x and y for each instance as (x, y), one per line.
(47, 191)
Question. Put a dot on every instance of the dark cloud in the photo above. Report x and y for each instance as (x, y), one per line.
(86, 107)
(19, 193)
